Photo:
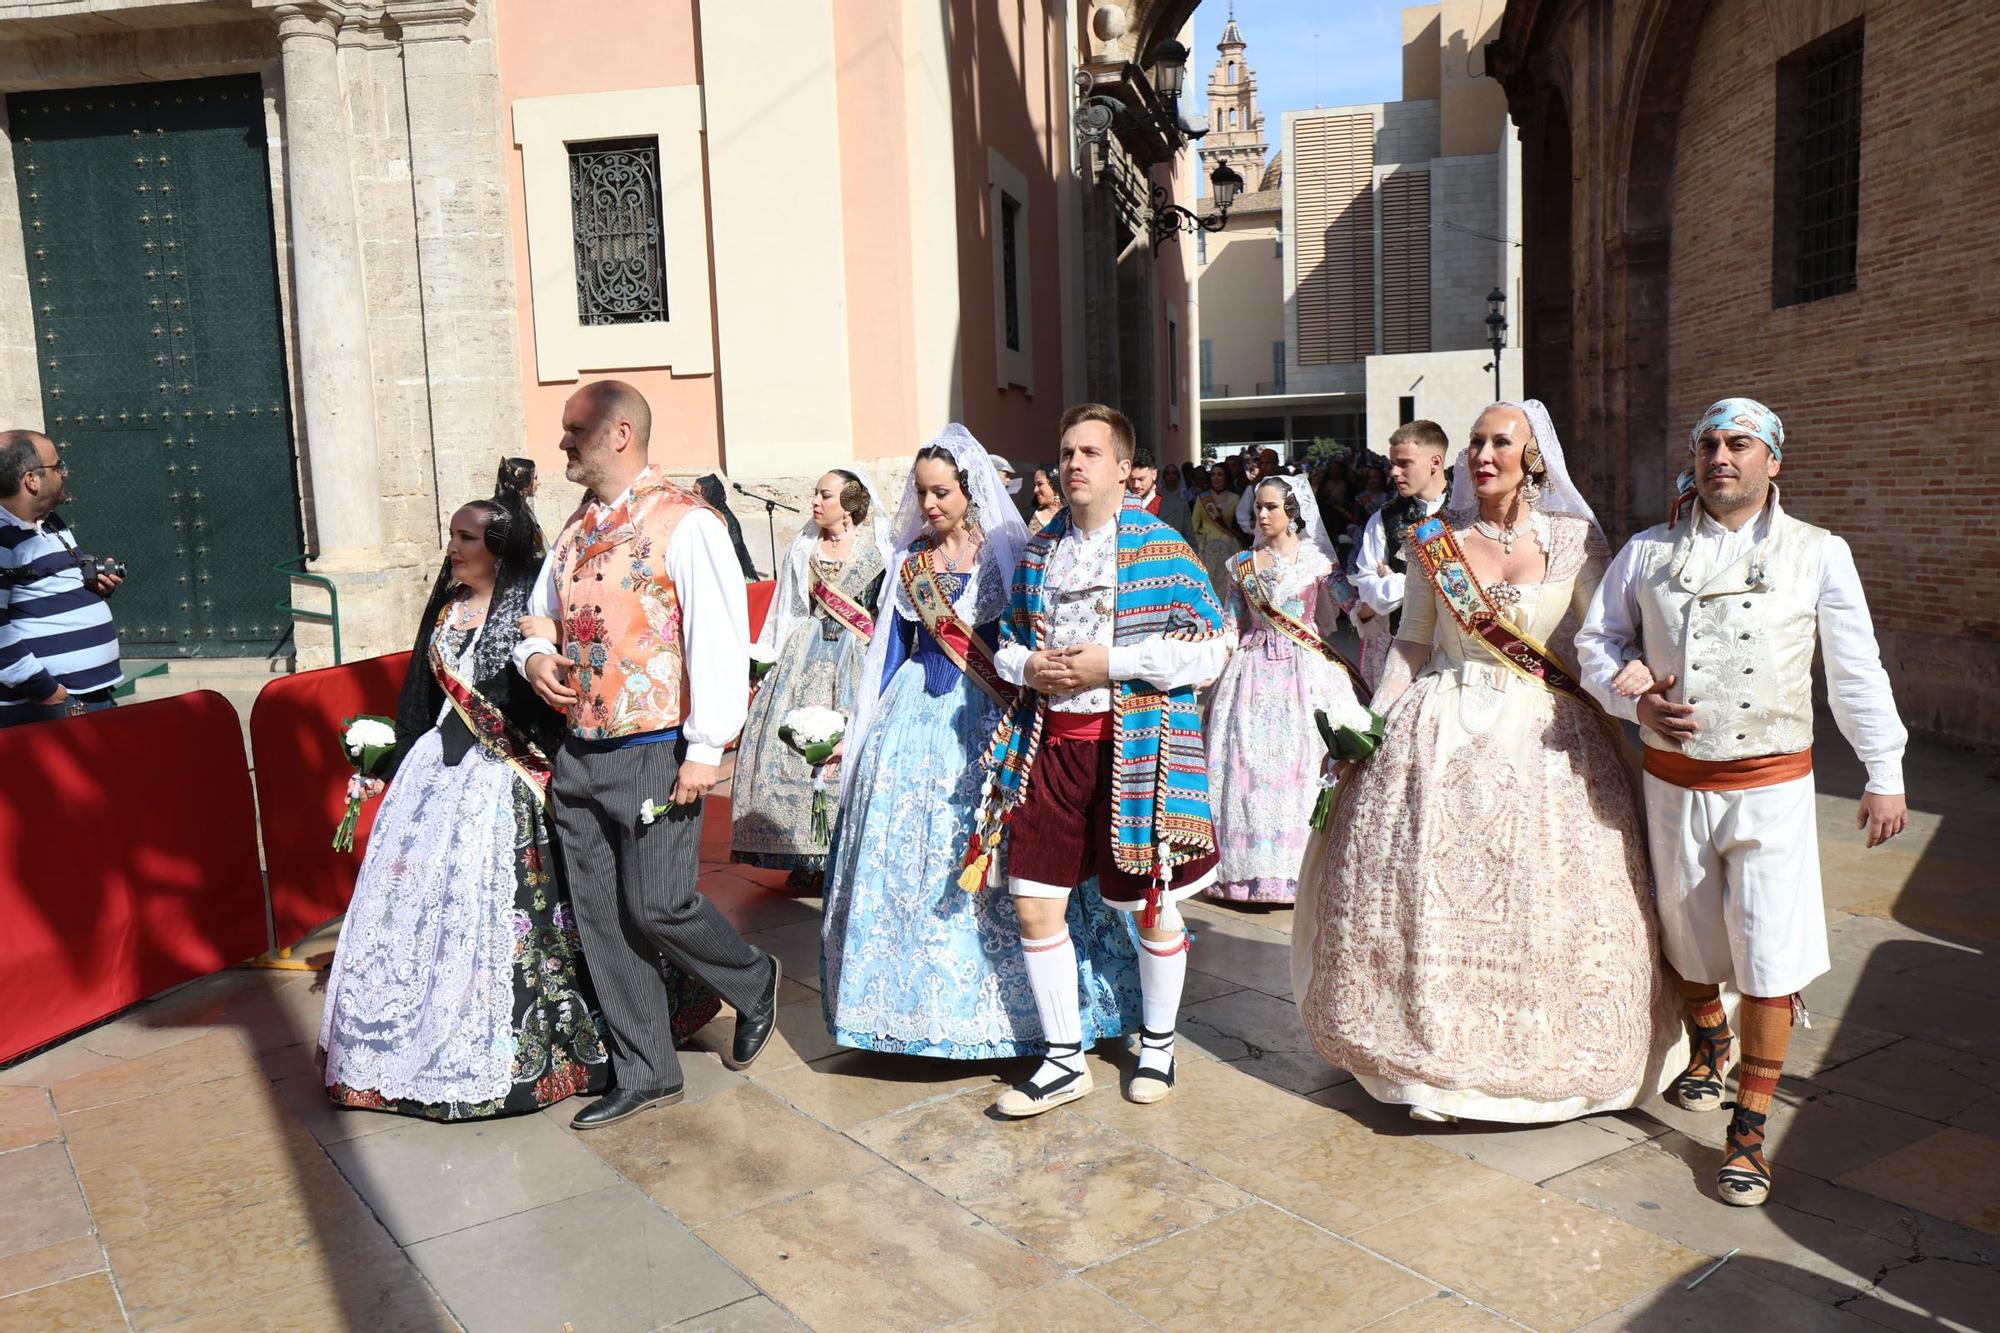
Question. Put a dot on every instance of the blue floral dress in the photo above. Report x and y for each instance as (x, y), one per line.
(909, 961)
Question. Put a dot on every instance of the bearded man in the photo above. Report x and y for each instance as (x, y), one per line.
(1703, 633)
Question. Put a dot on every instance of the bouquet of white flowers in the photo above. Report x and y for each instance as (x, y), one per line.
(368, 741)
(1352, 734)
(814, 732)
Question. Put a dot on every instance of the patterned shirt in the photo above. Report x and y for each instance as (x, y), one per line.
(1082, 591)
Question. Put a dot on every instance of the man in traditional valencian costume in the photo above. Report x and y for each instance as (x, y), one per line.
(1418, 453)
(1703, 633)
(1099, 769)
(649, 661)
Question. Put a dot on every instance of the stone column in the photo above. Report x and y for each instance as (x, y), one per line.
(329, 294)
(451, 85)
(337, 386)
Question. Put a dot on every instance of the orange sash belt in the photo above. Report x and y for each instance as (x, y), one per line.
(1766, 770)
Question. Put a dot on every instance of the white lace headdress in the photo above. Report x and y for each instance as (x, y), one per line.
(788, 606)
(1559, 493)
(1004, 534)
(1315, 532)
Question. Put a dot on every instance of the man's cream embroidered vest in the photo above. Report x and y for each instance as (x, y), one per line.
(1740, 637)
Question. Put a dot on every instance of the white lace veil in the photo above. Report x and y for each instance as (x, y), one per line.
(1315, 532)
(788, 604)
(1005, 534)
(1559, 493)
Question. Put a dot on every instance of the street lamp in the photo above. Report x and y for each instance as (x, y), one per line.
(1169, 69)
(1169, 218)
(1496, 332)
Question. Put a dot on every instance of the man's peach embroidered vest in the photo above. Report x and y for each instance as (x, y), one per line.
(621, 615)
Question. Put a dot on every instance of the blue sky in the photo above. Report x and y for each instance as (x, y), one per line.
(1358, 56)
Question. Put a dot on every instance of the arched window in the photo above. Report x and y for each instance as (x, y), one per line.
(1232, 71)
(1232, 120)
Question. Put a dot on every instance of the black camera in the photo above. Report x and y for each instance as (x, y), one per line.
(100, 567)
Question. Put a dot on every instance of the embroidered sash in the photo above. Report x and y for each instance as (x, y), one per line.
(850, 615)
(967, 651)
(496, 735)
(1296, 630)
(1444, 564)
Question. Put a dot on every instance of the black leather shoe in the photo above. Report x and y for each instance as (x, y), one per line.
(753, 1031)
(619, 1103)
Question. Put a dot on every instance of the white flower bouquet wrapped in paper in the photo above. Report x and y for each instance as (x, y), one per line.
(815, 733)
(368, 741)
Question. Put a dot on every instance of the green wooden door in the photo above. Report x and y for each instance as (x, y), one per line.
(146, 213)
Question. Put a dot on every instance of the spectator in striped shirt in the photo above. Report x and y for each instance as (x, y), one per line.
(58, 644)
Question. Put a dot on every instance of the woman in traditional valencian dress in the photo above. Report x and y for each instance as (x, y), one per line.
(1264, 757)
(1477, 938)
(1048, 499)
(813, 641)
(912, 962)
(458, 990)
(1215, 539)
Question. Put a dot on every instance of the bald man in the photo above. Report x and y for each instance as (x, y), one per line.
(652, 672)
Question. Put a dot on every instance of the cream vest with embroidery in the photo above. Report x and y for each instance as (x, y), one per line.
(1739, 637)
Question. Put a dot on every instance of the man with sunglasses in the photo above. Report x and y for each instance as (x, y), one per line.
(58, 644)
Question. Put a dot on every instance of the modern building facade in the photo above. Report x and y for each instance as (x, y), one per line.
(286, 279)
(1389, 225)
(1800, 203)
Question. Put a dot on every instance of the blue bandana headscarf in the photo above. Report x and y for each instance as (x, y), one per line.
(1738, 414)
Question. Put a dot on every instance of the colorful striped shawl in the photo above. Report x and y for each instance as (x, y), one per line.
(1160, 791)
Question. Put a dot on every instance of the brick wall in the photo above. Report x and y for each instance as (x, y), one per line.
(1886, 391)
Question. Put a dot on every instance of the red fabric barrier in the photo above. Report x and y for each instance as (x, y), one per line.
(302, 778)
(302, 785)
(128, 861)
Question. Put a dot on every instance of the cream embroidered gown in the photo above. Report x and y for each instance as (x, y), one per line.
(1475, 933)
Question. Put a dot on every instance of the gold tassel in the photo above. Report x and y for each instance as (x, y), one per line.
(973, 878)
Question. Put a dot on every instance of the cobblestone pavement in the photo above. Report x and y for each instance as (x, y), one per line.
(178, 1165)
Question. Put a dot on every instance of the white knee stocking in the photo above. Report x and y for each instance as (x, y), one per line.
(1162, 974)
(1053, 978)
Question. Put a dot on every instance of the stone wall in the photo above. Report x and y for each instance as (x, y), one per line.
(1464, 265)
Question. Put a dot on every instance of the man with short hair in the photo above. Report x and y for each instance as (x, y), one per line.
(1705, 636)
(652, 673)
(1144, 488)
(58, 643)
(1113, 627)
(1267, 465)
(1418, 451)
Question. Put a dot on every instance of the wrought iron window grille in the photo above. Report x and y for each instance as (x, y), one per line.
(1818, 214)
(621, 275)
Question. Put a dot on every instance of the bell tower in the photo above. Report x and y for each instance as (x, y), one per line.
(1235, 125)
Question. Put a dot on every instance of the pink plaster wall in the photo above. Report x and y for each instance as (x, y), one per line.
(875, 204)
(587, 46)
(1009, 93)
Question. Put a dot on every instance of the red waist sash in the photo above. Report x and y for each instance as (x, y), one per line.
(1077, 726)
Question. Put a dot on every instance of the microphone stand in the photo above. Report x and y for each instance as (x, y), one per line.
(771, 508)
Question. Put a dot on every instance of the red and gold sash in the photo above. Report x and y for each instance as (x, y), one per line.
(966, 650)
(1296, 630)
(1444, 563)
(852, 616)
(496, 735)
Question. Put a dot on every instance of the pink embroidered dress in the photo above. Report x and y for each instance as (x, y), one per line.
(1265, 753)
(1475, 934)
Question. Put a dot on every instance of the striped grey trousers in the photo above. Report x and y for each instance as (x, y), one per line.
(633, 890)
